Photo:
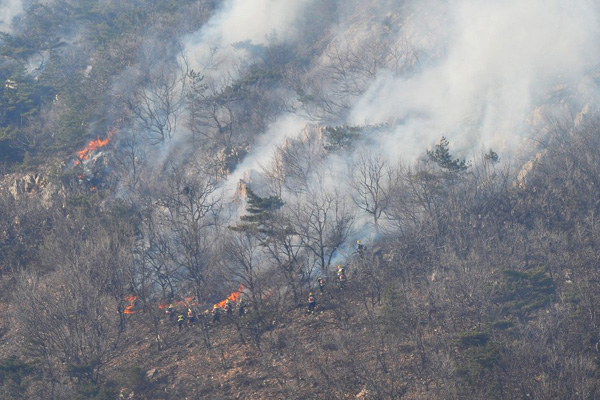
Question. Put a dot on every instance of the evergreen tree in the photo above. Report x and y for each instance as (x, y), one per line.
(442, 157)
(526, 291)
(260, 215)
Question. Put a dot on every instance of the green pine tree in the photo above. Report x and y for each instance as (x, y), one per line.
(442, 157)
(260, 215)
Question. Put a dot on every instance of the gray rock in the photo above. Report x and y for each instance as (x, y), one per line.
(151, 373)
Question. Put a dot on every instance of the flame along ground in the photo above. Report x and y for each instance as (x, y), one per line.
(233, 297)
(129, 308)
(188, 301)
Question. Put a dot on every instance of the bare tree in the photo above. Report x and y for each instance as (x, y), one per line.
(284, 248)
(324, 220)
(71, 323)
(192, 218)
(130, 157)
(374, 181)
(296, 163)
(212, 111)
(158, 103)
(243, 257)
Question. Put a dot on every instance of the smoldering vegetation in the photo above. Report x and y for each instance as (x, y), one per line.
(187, 153)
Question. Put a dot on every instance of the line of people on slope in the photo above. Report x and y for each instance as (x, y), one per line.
(341, 280)
(215, 314)
(190, 317)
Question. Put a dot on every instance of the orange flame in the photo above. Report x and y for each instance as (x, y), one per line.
(233, 297)
(84, 154)
(129, 309)
(189, 301)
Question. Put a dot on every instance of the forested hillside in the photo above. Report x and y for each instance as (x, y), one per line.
(309, 199)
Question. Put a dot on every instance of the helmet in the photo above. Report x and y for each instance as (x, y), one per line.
(358, 242)
(215, 306)
(310, 294)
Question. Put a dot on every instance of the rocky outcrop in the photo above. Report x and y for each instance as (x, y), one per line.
(25, 185)
(32, 185)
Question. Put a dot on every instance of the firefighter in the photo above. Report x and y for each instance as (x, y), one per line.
(312, 302)
(170, 311)
(228, 308)
(321, 283)
(206, 317)
(180, 321)
(360, 248)
(241, 308)
(216, 314)
(190, 317)
(341, 274)
(342, 280)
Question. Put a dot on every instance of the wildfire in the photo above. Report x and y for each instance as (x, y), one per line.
(129, 309)
(233, 297)
(84, 154)
(189, 301)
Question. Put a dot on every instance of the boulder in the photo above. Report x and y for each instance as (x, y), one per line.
(151, 373)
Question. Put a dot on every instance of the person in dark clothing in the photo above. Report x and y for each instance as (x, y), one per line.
(342, 279)
(228, 308)
(341, 274)
(180, 321)
(360, 248)
(216, 314)
(206, 318)
(241, 308)
(312, 302)
(170, 311)
(191, 318)
(321, 284)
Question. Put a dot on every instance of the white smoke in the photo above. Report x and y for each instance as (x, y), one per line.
(499, 58)
(9, 9)
(253, 21)
(481, 70)
(286, 126)
(469, 70)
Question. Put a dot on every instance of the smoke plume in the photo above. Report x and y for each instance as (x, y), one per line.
(499, 61)
(253, 21)
(473, 71)
(9, 9)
